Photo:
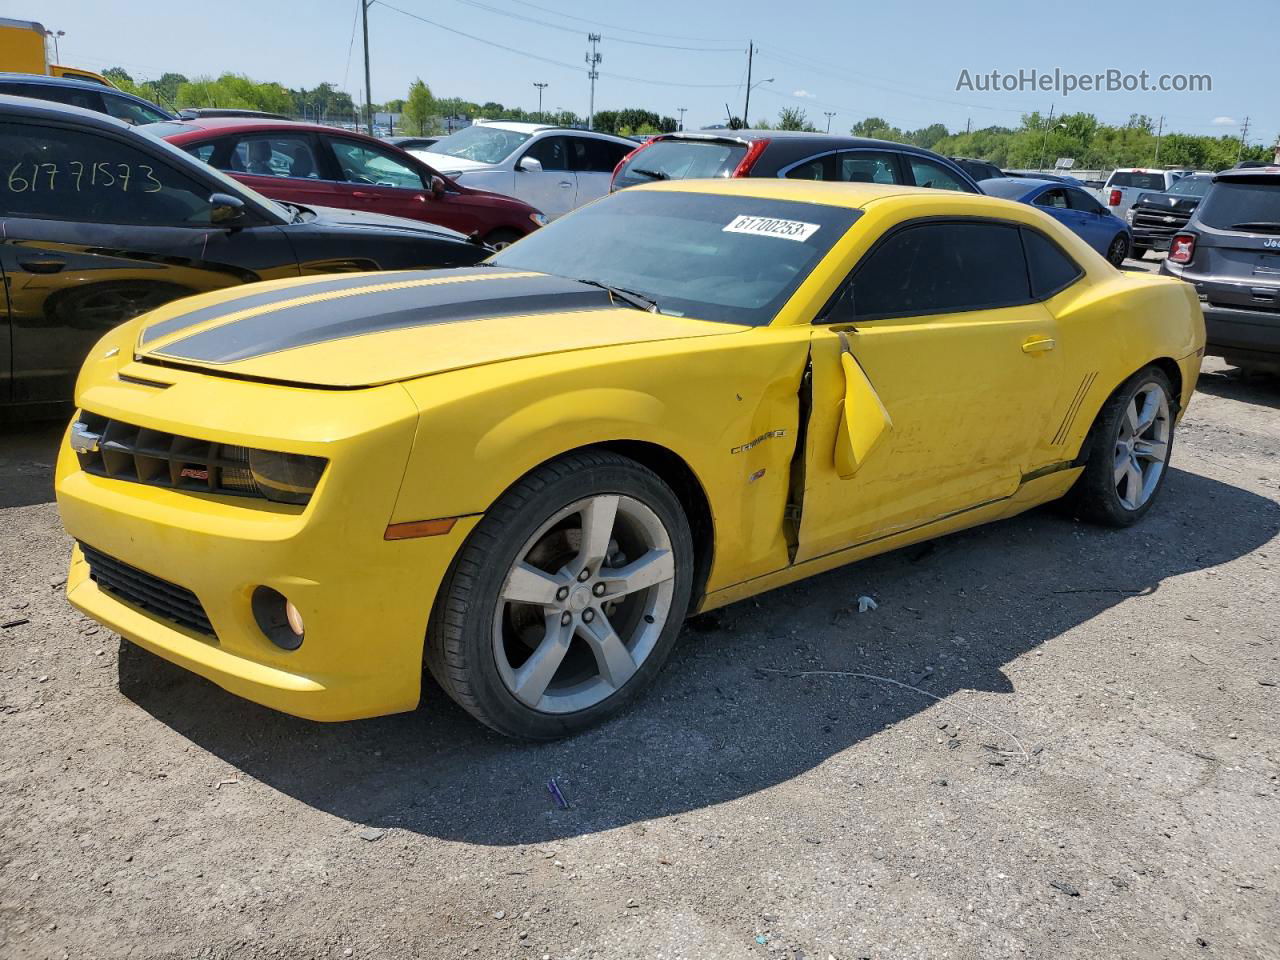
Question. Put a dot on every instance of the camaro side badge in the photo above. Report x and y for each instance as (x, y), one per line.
(758, 440)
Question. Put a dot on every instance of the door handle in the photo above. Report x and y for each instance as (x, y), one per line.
(46, 265)
(362, 195)
(566, 184)
(1038, 344)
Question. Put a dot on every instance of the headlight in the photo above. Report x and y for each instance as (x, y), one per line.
(285, 477)
(539, 218)
(1129, 215)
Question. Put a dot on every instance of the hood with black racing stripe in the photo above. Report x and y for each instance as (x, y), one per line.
(358, 330)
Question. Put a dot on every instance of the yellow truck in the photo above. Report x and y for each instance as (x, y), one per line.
(24, 48)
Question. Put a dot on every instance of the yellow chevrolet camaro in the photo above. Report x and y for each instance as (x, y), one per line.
(527, 473)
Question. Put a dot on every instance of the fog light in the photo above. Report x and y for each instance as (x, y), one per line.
(278, 618)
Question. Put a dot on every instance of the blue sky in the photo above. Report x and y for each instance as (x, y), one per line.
(900, 61)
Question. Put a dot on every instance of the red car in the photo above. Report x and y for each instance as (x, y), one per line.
(315, 166)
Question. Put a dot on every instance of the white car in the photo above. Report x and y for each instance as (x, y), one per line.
(1126, 184)
(552, 168)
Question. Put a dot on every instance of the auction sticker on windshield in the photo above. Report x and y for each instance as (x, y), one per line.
(772, 227)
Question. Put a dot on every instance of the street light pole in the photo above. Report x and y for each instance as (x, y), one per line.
(682, 111)
(829, 114)
(368, 96)
(541, 87)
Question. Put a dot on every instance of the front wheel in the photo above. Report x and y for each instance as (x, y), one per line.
(501, 239)
(1118, 250)
(566, 599)
(1129, 451)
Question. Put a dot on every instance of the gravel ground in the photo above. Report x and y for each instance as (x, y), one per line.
(1099, 775)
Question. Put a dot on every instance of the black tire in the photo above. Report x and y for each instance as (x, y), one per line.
(502, 238)
(1118, 250)
(1140, 252)
(459, 647)
(1095, 495)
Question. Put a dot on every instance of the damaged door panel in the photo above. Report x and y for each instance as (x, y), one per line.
(916, 418)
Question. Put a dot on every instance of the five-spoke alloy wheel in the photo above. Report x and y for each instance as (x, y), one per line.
(1128, 451)
(566, 599)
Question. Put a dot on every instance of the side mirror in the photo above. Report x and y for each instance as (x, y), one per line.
(437, 186)
(227, 211)
(529, 165)
(840, 309)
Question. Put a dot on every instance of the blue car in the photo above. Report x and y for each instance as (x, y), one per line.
(1074, 207)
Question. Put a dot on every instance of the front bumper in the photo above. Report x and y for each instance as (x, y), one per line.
(365, 601)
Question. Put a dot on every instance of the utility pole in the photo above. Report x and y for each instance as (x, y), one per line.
(541, 87)
(967, 124)
(746, 107)
(368, 97)
(1159, 133)
(1044, 144)
(682, 111)
(593, 61)
(829, 115)
(1244, 133)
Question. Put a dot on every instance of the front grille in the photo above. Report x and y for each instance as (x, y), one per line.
(126, 452)
(167, 600)
(1153, 220)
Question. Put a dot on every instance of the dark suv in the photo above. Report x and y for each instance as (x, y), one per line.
(791, 154)
(1156, 217)
(1230, 250)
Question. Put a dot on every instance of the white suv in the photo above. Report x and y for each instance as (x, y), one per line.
(552, 168)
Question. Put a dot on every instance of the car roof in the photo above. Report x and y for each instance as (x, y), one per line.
(1247, 173)
(53, 110)
(519, 126)
(73, 84)
(221, 125)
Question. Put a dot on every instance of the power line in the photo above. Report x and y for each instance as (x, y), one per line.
(355, 22)
(614, 26)
(577, 31)
(553, 62)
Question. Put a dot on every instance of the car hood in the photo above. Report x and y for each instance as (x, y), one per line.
(450, 165)
(1168, 201)
(359, 330)
(380, 222)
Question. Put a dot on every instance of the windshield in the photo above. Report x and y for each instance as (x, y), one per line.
(1236, 203)
(481, 144)
(1006, 187)
(732, 259)
(680, 160)
(1191, 186)
(156, 132)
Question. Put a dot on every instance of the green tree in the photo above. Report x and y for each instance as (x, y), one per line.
(794, 118)
(419, 115)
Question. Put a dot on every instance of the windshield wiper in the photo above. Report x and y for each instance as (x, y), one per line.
(1262, 225)
(630, 297)
(651, 174)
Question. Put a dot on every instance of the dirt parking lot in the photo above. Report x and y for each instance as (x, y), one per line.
(1099, 775)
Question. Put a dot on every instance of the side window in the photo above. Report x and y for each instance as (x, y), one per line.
(551, 152)
(130, 111)
(1056, 198)
(365, 163)
(930, 174)
(945, 267)
(597, 156)
(866, 166)
(202, 151)
(1051, 270)
(818, 168)
(85, 99)
(60, 174)
(1079, 200)
(271, 156)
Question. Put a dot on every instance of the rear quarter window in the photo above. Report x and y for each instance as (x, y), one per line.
(681, 160)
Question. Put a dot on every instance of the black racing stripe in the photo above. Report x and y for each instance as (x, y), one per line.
(185, 321)
(311, 323)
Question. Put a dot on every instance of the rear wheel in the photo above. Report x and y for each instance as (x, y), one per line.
(566, 599)
(1129, 451)
(1118, 250)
